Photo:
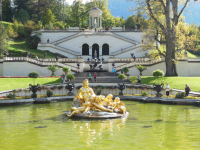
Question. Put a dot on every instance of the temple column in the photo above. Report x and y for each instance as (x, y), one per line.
(92, 20)
(101, 21)
(98, 21)
(89, 21)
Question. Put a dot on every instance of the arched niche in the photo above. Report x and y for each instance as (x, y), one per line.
(95, 47)
(85, 49)
(105, 49)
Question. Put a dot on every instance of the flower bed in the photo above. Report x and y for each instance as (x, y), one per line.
(28, 77)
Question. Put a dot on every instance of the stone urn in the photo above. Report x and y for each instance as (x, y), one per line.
(70, 87)
(34, 89)
(158, 88)
(121, 87)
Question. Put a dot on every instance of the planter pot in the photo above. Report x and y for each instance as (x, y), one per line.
(55, 27)
(107, 30)
(103, 27)
(39, 41)
(83, 30)
(122, 27)
(158, 88)
(47, 41)
(70, 87)
(34, 89)
(110, 27)
(79, 27)
(42, 27)
(67, 27)
(87, 27)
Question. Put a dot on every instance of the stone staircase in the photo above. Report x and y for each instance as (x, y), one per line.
(65, 39)
(125, 39)
(102, 77)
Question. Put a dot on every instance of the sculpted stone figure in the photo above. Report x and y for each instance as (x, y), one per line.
(108, 100)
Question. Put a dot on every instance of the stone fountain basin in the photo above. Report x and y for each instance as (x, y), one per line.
(98, 115)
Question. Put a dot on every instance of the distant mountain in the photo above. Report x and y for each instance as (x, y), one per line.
(120, 8)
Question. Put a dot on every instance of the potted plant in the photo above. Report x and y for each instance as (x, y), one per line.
(49, 93)
(55, 27)
(103, 27)
(87, 27)
(39, 41)
(107, 29)
(33, 87)
(125, 70)
(121, 87)
(70, 77)
(141, 68)
(42, 27)
(68, 27)
(122, 27)
(53, 69)
(121, 77)
(158, 87)
(80, 28)
(48, 41)
(83, 29)
(110, 27)
(66, 70)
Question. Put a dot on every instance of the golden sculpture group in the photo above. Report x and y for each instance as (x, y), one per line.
(90, 101)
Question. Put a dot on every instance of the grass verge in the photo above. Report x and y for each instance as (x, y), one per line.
(17, 83)
(174, 82)
(19, 48)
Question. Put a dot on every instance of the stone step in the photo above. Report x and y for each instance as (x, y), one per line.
(106, 79)
(99, 74)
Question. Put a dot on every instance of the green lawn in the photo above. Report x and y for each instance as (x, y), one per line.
(17, 83)
(20, 47)
(174, 82)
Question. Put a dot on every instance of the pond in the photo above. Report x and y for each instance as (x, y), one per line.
(148, 126)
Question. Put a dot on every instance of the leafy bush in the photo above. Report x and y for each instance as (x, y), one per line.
(11, 95)
(158, 73)
(66, 70)
(70, 77)
(125, 69)
(32, 41)
(33, 75)
(144, 93)
(121, 76)
(180, 95)
(49, 93)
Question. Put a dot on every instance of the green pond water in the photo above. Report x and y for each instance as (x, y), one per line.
(148, 126)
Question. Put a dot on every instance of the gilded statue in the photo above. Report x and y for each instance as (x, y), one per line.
(119, 105)
(88, 101)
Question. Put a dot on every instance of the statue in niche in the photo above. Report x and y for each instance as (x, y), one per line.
(95, 54)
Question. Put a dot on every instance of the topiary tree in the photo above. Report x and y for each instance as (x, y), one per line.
(70, 77)
(23, 16)
(141, 69)
(158, 73)
(53, 68)
(33, 75)
(66, 70)
(121, 77)
(125, 70)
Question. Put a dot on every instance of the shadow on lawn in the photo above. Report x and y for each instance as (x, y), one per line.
(59, 80)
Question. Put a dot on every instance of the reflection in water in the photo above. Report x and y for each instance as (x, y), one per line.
(148, 126)
(90, 131)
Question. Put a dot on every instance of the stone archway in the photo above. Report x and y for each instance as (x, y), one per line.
(85, 49)
(105, 49)
(95, 47)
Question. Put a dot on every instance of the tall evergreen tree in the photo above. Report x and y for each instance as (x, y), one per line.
(7, 11)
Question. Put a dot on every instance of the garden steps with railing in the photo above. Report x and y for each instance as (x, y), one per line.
(125, 39)
(38, 62)
(65, 39)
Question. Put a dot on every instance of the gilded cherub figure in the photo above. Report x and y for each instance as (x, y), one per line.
(119, 105)
(108, 100)
(98, 104)
(85, 108)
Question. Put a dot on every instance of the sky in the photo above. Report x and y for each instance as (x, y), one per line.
(120, 8)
